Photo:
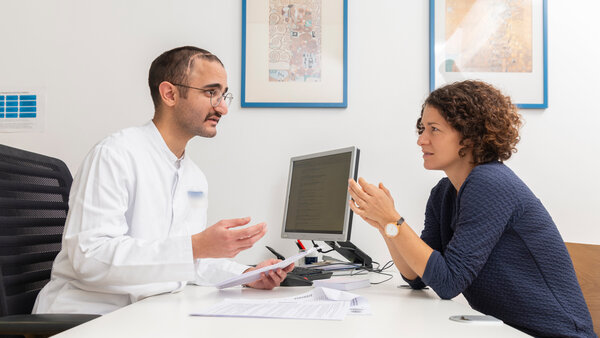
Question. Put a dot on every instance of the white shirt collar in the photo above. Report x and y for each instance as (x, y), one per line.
(157, 139)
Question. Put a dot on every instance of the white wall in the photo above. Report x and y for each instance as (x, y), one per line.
(93, 58)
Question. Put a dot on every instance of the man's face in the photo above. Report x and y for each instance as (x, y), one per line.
(194, 114)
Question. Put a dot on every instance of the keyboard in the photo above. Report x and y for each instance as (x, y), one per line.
(311, 273)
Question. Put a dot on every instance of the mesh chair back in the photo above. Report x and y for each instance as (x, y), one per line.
(34, 192)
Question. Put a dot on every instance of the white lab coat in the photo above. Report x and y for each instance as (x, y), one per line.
(133, 209)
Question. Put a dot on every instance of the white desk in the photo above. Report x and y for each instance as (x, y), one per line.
(396, 311)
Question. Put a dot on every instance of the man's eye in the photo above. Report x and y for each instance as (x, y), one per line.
(210, 92)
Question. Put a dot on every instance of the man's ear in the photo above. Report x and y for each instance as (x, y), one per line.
(168, 93)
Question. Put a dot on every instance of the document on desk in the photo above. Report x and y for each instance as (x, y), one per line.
(358, 304)
(251, 276)
(319, 303)
(343, 283)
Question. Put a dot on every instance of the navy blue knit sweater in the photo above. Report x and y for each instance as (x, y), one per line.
(496, 243)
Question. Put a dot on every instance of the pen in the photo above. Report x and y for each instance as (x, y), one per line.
(300, 245)
(277, 254)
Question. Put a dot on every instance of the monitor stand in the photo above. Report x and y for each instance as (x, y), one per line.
(351, 253)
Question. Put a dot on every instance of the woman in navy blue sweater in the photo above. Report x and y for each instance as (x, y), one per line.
(486, 234)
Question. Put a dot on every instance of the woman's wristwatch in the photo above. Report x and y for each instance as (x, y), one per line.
(392, 229)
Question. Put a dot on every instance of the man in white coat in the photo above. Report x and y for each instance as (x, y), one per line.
(137, 220)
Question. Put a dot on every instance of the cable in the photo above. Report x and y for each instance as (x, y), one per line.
(363, 270)
(377, 270)
(319, 249)
(390, 276)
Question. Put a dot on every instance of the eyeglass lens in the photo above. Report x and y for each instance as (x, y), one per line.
(215, 100)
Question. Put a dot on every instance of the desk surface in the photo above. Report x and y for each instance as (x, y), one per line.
(396, 311)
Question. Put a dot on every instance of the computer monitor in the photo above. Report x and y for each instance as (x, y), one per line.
(317, 202)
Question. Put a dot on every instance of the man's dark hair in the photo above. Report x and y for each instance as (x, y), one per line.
(174, 66)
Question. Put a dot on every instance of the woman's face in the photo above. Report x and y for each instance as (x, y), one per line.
(440, 143)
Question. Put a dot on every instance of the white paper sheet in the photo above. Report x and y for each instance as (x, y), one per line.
(251, 276)
(343, 283)
(338, 266)
(264, 309)
(319, 303)
(358, 305)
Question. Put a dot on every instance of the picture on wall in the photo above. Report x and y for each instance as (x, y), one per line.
(502, 42)
(294, 53)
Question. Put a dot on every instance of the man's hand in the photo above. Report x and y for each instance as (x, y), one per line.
(270, 279)
(222, 241)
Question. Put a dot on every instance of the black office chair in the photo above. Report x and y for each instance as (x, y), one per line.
(34, 191)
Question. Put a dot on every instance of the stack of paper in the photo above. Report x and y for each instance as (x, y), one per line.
(342, 283)
(358, 304)
(251, 276)
(328, 266)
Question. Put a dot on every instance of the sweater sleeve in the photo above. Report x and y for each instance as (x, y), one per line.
(485, 205)
(431, 230)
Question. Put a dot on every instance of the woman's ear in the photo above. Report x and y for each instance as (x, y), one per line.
(467, 148)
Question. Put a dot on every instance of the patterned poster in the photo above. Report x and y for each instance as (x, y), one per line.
(488, 36)
(295, 40)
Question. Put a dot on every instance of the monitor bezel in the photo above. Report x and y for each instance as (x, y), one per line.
(347, 227)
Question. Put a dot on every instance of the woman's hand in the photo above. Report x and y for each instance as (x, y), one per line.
(374, 204)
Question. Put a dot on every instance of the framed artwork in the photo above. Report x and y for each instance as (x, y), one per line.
(502, 42)
(294, 53)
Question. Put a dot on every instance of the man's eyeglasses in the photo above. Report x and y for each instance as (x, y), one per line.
(215, 98)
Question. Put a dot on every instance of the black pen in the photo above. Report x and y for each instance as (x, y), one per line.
(277, 254)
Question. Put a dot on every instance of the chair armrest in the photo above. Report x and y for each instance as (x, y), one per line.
(42, 324)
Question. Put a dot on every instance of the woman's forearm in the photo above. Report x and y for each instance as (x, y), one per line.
(399, 261)
(409, 252)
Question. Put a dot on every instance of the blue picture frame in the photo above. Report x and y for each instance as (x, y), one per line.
(286, 94)
(529, 90)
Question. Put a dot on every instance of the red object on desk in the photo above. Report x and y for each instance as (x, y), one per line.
(301, 245)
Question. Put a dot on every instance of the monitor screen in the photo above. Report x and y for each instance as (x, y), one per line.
(316, 205)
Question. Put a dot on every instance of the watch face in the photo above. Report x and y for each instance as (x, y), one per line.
(391, 229)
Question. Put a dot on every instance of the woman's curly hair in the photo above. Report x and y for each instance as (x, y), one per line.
(487, 120)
